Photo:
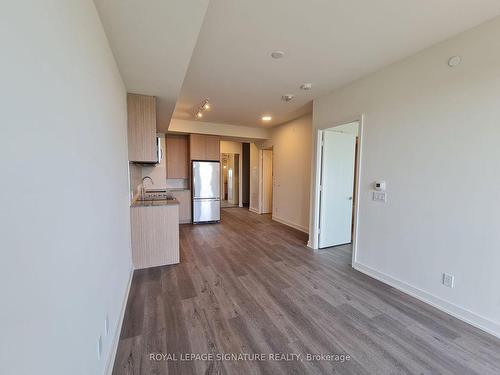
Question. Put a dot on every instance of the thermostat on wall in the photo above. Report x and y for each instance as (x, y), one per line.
(379, 185)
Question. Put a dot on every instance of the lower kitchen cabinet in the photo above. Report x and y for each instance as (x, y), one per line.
(184, 198)
(155, 235)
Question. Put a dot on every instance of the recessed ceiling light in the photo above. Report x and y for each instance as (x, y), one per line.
(306, 86)
(454, 61)
(266, 118)
(277, 54)
(287, 97)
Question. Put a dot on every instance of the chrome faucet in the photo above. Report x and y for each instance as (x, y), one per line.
(143, 189)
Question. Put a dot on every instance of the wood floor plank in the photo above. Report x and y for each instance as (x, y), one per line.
(249, 285)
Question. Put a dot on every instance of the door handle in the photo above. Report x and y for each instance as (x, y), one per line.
(350, 198)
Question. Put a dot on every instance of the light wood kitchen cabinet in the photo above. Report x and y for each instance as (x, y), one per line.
(204, 147)
(177, 156)
(142, 146)
(212, 147)
(197, 147)
(155, 235)
(184, 198)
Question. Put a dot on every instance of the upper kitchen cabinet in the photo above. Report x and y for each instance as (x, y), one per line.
(204, 147)
(177, 156)
(197, 147)
(212, 147)
(142, 144)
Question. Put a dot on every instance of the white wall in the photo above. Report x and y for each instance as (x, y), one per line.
(64, 217)
(230, 147)
(432, 132)
(292, 144)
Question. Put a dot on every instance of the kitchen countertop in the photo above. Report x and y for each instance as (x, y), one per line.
(157, 202)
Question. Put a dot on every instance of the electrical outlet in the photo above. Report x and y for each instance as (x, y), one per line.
(106, 326)
(448, 280)
(99, 348)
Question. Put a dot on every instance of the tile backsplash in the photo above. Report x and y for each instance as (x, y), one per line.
(177, 183)
(135, 174)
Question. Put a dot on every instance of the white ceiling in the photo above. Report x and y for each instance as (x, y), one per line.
(152, 41)
(326, 42)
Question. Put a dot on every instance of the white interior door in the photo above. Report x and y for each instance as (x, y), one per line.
(267, 181)
(337, 186)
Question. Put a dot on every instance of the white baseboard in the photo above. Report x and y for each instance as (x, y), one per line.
(116, 338)
(458, 312)
(290, 224)
(253, 210)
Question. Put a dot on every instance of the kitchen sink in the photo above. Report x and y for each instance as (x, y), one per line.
(156, 195)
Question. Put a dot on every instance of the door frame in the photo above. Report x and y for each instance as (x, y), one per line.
(316, 183)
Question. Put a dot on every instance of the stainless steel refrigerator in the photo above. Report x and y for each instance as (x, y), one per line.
(206, 191)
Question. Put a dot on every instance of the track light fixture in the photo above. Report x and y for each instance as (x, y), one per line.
(205, 106)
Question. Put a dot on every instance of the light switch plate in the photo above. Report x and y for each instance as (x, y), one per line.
(106, 326)
(380, 196)
(99, 348)
(448, 280)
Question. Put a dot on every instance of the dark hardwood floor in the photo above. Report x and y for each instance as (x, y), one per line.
(249, 285)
